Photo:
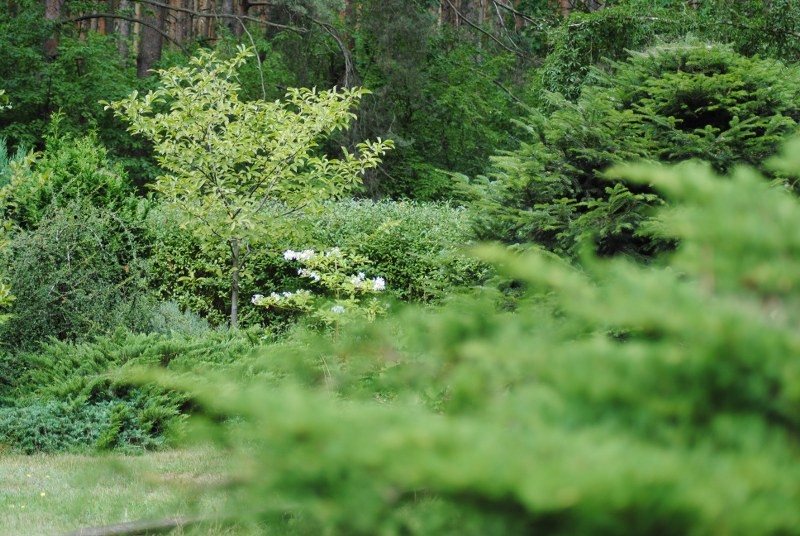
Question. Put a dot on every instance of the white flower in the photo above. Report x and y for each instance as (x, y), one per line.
(358, 280)
(335, 252)
(275, 296)
(287, 294)
(309, 273)
(378, 284)
(292, 255)
(256, 298)
(337, 309)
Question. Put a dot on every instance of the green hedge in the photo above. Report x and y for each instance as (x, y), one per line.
(418, 247)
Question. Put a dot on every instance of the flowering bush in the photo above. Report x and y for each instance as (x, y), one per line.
(333, 272)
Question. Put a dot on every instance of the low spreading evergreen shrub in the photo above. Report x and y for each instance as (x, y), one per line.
(74, 397)
(63, 426)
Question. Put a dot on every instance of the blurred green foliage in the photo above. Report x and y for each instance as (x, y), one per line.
(523, 392)
(619, 398)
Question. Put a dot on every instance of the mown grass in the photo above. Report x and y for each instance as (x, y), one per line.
(54, 494)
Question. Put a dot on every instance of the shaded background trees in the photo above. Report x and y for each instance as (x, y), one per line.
(448, 76)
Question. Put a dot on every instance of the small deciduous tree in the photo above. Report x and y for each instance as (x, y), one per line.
(237, 169)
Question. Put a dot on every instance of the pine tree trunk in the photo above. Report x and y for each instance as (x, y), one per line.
(123, 28)
(234, 283)
(151, 40)
(52, 13)
(228, 9)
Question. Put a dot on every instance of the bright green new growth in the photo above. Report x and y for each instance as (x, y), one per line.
(238, 169)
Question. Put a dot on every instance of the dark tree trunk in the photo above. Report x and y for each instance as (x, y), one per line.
(234, 283)
(123, 29)
(150, 40)
(52, 13)
(229, 10)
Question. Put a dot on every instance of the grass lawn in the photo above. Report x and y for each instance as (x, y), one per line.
(52, 494)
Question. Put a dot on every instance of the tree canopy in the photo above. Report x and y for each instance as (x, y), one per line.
(236, 169)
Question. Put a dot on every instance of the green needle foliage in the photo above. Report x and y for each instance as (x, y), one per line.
(74, 397)
(237, 169)
(668, 104)
(69, 169)
(619, 399)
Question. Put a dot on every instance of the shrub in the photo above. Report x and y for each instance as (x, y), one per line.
(68, 397)
(669, 104)
(69, 169)
(76, 275)
(7, 160)
(168, 319)
(56, 426)
(339, 288)
(586, 40)
(418, 248)
(195, 277)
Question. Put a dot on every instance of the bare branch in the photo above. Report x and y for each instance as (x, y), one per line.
(90, 16)
(484, 32)
(350, 74)
(222, 16)
(523, 16)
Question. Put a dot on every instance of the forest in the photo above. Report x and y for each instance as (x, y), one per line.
(400, 267)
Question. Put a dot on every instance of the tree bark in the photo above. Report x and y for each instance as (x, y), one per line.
(229, 17)
(234, 283)
(150, 40)
(181, 21)
(52, 14)
(123, 29)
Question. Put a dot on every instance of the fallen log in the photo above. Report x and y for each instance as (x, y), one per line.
(136, 528)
